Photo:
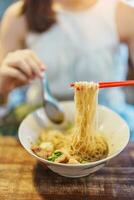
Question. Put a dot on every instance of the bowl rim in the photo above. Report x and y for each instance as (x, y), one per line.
(90, 164)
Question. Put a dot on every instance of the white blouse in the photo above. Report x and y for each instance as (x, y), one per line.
(82, 46)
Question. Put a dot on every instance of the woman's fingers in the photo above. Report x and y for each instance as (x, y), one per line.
(19, 68)
(37, 66)
(36, 71)
(25, 68)
(14, 73)
(26, 63)
(33, 62)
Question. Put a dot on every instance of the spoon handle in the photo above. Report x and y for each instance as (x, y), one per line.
(46, 92)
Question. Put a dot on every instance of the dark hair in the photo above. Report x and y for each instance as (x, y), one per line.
(39, 14)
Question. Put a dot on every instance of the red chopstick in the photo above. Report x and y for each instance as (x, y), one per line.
(112, 84)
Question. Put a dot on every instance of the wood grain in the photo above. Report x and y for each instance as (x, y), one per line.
(22, 178)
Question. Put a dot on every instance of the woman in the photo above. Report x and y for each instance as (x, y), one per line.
(76, 39)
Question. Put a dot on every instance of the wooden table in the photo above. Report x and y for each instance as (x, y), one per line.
(22, 178)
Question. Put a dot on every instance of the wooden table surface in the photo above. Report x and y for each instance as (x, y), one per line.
(22, 178)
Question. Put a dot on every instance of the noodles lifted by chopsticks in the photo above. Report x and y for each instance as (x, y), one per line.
(80, 143)
(87, 144)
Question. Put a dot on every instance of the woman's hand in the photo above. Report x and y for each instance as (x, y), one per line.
(19, 68)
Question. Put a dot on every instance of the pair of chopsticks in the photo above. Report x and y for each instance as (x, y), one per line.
(112, 84)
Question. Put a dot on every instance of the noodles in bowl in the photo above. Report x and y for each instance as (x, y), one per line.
(81, 143)
(56, 146)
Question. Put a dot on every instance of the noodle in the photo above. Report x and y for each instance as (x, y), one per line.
(81, 143)
(86, 143)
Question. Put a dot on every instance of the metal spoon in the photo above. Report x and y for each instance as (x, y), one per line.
(51, 105)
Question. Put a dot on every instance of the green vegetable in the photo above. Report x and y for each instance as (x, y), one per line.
(58, 153)
(55, 155)
(51, 158)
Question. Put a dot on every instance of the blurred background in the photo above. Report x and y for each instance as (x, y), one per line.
(4, 4)
(19, 113)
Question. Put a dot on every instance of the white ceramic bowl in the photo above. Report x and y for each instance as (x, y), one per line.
(111, 124)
